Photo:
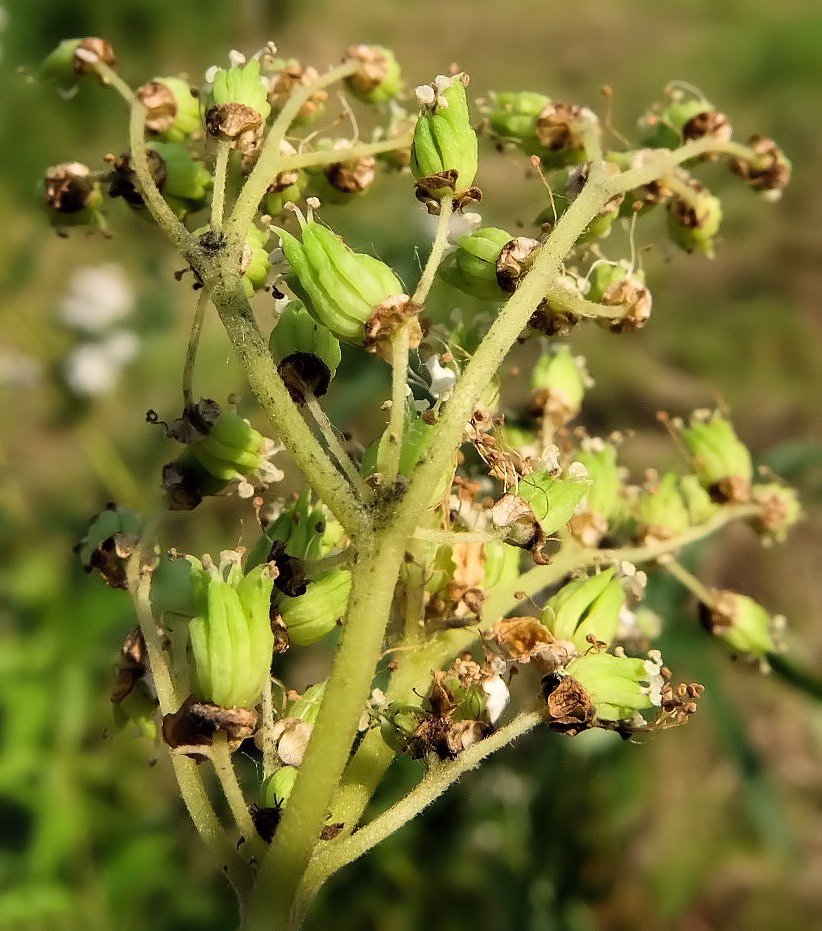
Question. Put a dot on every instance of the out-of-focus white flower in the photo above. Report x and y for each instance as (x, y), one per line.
(93, 368)
(98, 296)
(442, 378)
(17, 370)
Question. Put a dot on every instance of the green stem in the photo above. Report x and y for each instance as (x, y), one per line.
(372, 591)
(335, 447)
(438, 248)
(221, 760)
(272, 395)
(389, 467)
(157, 206)
(336, 854)
(331, 157)
(453, 537)
(109, 76)
(220, 181)
(689, 580)
(193, 345)
(564, 299)
(799, 678)
(267, 166)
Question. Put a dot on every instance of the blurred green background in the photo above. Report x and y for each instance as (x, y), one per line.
(716, 826)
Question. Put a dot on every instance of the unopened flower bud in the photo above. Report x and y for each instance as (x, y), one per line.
(379, 78)
(488, 263)
(231, 638)
(614, 285)
(603, 504)
(770, 169)
(173, 111)
(306, 352)
(779, 509)
(558, 382)
(684, 119)
(311, 616)
(586, 610)
(742, 623)
(697, 500)
(693, 224)
(75, 58)
(513, 115)
(721, 461)
(445, 144)
(563, 131)
(255, 260)
(73, 196)
(342, 288)
(276, 789)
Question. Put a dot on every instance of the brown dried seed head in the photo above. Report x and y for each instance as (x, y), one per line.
(771, 173)
(90, 50)
(373, 70)
(352, 177)
(555, 126)
(708, 123)
(633, 295)
(388, 316)
(160, 103)
(570, 708)
(513, 261)
(68, 187)
(230, 121)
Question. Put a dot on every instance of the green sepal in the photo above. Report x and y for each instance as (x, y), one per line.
(242, 85)
(583, 607)
(552, 499)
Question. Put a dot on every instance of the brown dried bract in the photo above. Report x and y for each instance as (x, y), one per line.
(552, 321)
(721, 613)
(635, 298)
(90, 50)
(123, 180)
(132, 665)
(557, 126)
(69, 187)
(352, 177)
(233, 122)
(708, 123)
(570, 709)
(302, 373)
(160, 103)
(373, 67)
(513, 262)
(111, 557)
(191, 729)
(771, 172)
(589, 527)
(734, 489)
(388, 317)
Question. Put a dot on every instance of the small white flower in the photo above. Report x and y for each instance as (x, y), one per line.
(498, 695)
(236, 59)
(425, 95)
(97, 297)
(442, 378)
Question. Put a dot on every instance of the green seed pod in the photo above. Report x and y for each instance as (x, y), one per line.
(232, 450)
(587, 607)
(255, 262)
(697, 500)
(742, 623)
(780, 510)
(618, 686)
(513, 115)
(306, 352)
(558, 382)
(661, 511)
(768, 171)
(721, 462)
(488, 264)
(693, 224)
(173, 111)
(238, 104)
(683, 119)
(312, 616)
(444, 140)
(501, 564)
(187, 182)
(615, 285)
(399, 722)
(74, 59)
(73, 197)
(379, 78)
(231, 638)
(341, 287)
(553, 499)
(276, 789)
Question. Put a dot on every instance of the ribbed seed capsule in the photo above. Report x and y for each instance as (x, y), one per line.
(239, 103)
(742, 623)
(488, 263)
(618, 686)
(313, 615)
(557, 386)
(444, 140)
(513, 115)
(661, 510)
(341, 287)
(721, 461)
(586, 608)
(306, 352)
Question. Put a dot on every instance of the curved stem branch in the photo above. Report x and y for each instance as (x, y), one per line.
(109, 76)
(193, 345)
(438, 248)
(335, 447)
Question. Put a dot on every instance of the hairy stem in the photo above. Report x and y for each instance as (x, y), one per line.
(220, 181)
(109, 76)
(193, 345)
(389, 467)
(330, 157)
(438, 248)
(221, 760)
(689, 580)
(335, 447)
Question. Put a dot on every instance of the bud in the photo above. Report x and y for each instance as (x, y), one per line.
(109, 541)
(603, 504)
(231, 638)
(558, 382)
(513, 115)
(73, 196)
(276, 789)
(562, 131)
(769, 171)
(313, 615)
(586, 610)
(615, 285)
(721, 462)
(445, 144)
(694, 223)
(342, 288)
(488, 264)
(661, 510)
(255, 261)
(742, 623)
(75, 58)
(553, 499)
(780, 510)
(239, 104)
(379, 78)
(173, 111)
(306, 352)
(184, 182)
(682, 120)
(289, 76)
(616, 686)
(287, 186)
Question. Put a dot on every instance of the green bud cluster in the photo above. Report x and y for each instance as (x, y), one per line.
(231, 638)
(306, 352)
(741, 623)
(444, 140)
(242, 85)
(721, 461)
(586, 610)
(341, 288)
(558, 383)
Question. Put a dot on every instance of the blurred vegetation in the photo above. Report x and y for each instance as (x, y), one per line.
(713, 827)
